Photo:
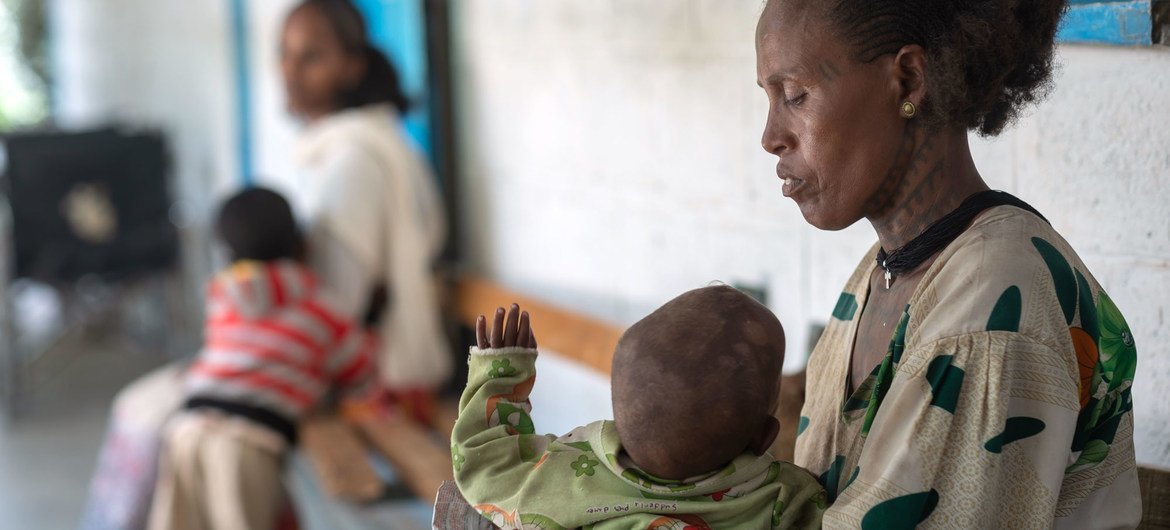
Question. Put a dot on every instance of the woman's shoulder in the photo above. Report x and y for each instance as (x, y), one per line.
(1010, 272)
(363, 132)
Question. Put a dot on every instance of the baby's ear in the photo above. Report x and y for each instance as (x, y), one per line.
(767, 435)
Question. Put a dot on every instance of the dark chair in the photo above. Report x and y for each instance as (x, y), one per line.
(89, 208)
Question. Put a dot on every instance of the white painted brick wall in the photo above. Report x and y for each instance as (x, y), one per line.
(159, 65)
(170, 66)
(611, 157)
(151, 64)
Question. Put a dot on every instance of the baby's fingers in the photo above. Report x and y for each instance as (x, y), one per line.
(481, 339)
(497, 340)
(510, 326)
(525, 331)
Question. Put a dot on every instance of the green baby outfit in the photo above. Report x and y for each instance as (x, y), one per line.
(519, 479)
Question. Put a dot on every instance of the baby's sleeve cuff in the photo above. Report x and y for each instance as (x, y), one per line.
(500, 352)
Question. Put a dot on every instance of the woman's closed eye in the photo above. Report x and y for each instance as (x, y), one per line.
(796, 101)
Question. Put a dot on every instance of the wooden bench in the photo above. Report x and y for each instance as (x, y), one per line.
(420, 455)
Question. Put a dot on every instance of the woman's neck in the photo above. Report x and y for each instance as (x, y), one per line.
(931, 180)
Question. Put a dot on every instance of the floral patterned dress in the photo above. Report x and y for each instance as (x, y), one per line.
(1003, 400)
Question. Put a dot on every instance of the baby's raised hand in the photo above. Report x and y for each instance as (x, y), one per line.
(516, 331)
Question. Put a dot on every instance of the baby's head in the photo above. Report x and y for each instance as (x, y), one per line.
(695, 383)
(257, 224)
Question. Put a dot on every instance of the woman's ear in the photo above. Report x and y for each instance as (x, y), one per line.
(909, 71)
(767, 435)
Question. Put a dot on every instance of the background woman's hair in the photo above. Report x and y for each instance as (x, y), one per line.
(380, 84)
(986, 59)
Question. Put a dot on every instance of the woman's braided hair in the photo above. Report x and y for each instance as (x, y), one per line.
(986, 58)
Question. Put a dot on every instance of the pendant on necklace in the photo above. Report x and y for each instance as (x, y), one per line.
(888, 275)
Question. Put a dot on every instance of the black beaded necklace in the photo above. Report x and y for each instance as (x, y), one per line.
(943, 231)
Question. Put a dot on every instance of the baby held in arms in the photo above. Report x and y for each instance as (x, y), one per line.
(694, 389)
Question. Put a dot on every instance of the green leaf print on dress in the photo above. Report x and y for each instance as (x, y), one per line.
(946, 381)
(885, 371)
(859, 401)
(856, 471)
(1111, 398)
(906, 512)
(1062, 277)
(1005, 316)
(1105, 355)
(831, 478)
(1094, 453)
(1015, 429)
(846, 307)
(1117, 349)
(1088, 312)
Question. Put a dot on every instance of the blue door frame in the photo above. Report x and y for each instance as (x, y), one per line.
(243, 89)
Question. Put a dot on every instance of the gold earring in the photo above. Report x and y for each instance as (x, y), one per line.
(909, 110)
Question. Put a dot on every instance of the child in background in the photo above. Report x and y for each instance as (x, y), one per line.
(274, 347)
(694, 387)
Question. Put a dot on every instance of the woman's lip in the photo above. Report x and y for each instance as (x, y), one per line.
(791, 184)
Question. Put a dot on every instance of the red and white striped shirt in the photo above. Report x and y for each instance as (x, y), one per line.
(272, 341)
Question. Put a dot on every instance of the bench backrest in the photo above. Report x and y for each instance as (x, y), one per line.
(583, 339)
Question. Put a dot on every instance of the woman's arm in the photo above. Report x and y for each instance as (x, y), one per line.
(348, 281)
(346, 228)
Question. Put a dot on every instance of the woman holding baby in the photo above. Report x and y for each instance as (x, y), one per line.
(974, 373)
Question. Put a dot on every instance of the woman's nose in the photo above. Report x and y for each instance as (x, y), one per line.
(777, 138)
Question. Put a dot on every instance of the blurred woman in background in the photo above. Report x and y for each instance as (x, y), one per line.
(370, 202)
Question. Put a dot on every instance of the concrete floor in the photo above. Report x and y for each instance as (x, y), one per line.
(47, 455)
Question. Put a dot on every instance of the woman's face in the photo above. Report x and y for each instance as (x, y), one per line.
(833, 121)
(315, 65)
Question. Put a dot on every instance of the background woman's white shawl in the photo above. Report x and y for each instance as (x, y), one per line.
(374, 214)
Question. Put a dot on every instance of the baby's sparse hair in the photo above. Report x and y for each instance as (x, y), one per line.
(258, 224)
(695, 382)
